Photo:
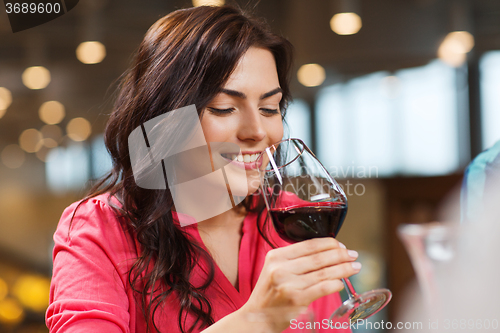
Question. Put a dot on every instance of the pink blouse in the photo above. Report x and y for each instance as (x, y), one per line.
(89, 290)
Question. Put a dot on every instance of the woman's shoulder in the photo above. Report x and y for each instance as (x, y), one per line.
(100, 208)
(103, 202)
(92, 256)
(97, 219)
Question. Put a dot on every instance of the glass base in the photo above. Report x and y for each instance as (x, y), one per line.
(363, 306)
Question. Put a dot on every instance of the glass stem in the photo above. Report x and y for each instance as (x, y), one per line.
(349, 288)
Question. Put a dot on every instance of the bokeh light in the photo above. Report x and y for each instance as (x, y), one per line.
(91, 52)
(13, 156)
(11, 312)
(43, 152)
(454, 48)
(53, 132)
(311, 75)
(463, 41)
(346, 23)
(52, 112)
(197, 3)
(49, 143)
(30, 140)
(36, 77)
(5, 99)
(79, 129)
(32, 291)
(451, 58)
(3, 289)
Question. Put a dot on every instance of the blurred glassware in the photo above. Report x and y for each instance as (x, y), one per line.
(432, 248)
(285, 169)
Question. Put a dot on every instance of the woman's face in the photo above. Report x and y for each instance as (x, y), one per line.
(245, 114)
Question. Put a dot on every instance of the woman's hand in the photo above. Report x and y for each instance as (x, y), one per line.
(296, 275)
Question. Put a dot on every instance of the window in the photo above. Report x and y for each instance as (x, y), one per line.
(428, 123)
(380, 124)
(489, 67)
(101, 160)
(298, 119)
(67, 168)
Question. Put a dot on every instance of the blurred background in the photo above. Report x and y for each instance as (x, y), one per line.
(395, 96)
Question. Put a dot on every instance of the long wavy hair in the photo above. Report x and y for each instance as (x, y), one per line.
(186, 57)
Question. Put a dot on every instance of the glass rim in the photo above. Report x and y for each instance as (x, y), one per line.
(300, 152)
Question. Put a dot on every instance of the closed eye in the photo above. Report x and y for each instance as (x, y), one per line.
(221, 111)
(270, 111)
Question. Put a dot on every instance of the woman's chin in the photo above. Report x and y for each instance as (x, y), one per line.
(252, 190)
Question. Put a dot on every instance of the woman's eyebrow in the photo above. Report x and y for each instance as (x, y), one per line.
(272, 92)
(239, 94)
(234, 93)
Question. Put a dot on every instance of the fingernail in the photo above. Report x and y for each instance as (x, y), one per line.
(342, 245)
(352, 253)
(356, 265)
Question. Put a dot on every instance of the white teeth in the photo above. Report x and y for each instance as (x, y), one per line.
(246, 158)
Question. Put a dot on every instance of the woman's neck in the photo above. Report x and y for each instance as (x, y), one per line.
(228, 221)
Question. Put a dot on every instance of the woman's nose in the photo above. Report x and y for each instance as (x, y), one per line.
(251, 126)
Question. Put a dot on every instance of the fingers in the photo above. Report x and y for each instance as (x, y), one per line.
(321, 289)
(303, 272)
(323, 259)
(281, 269)
(309, 287)
(309, 247)
(337, 272)
(304, 297)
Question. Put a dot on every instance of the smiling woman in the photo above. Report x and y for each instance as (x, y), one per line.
(247, 111)
(123, 262)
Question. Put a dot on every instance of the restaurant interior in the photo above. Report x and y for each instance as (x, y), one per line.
(395, 97)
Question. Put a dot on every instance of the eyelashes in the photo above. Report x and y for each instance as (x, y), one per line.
(270, 111)
(231, 110)
(221, 111)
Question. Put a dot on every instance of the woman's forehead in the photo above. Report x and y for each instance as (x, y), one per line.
(255, 70)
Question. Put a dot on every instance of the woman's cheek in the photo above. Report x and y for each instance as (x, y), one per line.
(276, 130)
(214, 128)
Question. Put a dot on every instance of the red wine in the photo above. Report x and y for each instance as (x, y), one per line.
(295, 224)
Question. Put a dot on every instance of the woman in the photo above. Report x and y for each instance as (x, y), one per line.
(123, 262)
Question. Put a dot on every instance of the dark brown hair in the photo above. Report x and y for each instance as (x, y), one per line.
(185, 58)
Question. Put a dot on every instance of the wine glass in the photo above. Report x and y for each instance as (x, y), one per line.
(303, 202)
(432, 248)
